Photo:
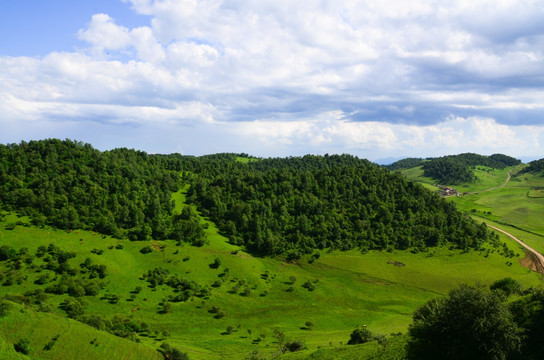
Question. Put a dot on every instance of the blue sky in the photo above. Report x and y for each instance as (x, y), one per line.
(379, 80)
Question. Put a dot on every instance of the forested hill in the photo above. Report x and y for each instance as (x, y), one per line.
(269, 206)
(70, 185)
(454, 169)
(309, 202)
(535, 167)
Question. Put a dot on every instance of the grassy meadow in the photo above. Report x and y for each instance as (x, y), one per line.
(256, 295)
(517, 207)
(350, 289)
(487, 178)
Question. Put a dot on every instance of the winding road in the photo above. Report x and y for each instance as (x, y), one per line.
(538, 259)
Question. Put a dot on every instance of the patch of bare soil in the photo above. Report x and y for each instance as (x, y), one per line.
(531, 261)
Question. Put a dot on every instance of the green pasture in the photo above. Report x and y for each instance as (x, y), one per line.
(245, 160)
(69, 339)
(350, 289)
(487, 178)
(520, 204)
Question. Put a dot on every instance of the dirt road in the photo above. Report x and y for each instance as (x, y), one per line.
(505, 183)
(536, 257)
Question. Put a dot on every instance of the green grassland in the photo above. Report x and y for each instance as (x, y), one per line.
(487, 178)
(518, 204)
(246, 159)
(68, 339)
(350, 289)
(518, 207)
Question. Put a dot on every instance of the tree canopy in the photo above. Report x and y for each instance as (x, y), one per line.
(269, 206)
(471, 323)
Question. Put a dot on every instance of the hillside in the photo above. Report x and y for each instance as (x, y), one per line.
(456, 169)
(535, 167)
(235, 266)
(268, 206)
(275, 205)
(336, 291)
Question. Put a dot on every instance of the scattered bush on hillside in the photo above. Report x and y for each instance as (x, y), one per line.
(7, 252)
(294, 345)
(5, 308)
(72, 307)
(360, 335)
(171, 353)
(22, 346)
(308, 285)
(51, 343)
(146, 249)
(216, 263)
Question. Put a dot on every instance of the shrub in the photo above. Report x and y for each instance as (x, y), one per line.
(216, 263)
(294, 345)
(5, 308)
(309, 285)
(146, 249)
(360, 336)
(22, 346)
(171, 353)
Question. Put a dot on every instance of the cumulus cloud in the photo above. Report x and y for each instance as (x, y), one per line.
(373, 78)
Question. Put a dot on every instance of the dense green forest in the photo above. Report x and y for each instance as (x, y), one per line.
(455, 169)
(337, 201)
(269, 206)
(70, 185)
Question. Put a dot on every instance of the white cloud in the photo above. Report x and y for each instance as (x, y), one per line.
(103, 33)
(350, 76)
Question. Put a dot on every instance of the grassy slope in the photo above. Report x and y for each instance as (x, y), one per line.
(518, 207)
(517, 203)
(352, 289)
(487, 178)
(74, 339)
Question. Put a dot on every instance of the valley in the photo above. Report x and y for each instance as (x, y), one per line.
(209, 294)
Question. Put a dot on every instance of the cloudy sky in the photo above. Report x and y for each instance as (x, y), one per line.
(377, 79)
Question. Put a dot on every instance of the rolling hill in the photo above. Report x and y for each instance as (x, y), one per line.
(182, 263)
